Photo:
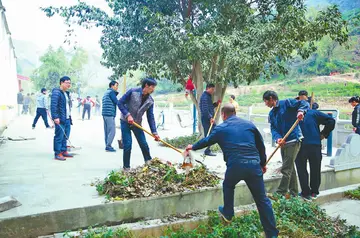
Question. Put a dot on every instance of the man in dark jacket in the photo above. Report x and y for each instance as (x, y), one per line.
(109, 102)
(245, 157)
(20, 101)
(281, 117)
(133, 104)
(207, 112)
(355, 116)
(311, 150)
(303, 95)
(60, 113)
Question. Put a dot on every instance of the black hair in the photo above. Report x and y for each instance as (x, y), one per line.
(112, 83)
(354, 99)
(43, 90)
(65, 78)
(233, 97)
(210, 85)
(303, 93)
(272, 94)
(148, 81)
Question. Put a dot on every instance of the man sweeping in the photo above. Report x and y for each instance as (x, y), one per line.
(311, 151)
(245, 157)
(133, 104)
(60, 113)
(282, 116)
(207, 112)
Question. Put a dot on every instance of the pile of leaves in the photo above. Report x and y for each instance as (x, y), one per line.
(182, 141)
(353, 194)
(295, 218)
(154, 179)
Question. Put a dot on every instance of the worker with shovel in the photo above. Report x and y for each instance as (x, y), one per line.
(133, 104)
(60, 114)
(245, 157)
(283, 115)
(207, 112)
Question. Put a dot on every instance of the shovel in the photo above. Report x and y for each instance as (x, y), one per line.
(187, 164)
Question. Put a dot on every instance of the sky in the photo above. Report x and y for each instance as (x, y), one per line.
(28, 23)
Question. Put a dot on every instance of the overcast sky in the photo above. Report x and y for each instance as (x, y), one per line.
(27, 22)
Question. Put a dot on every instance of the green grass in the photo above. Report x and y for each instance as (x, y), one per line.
(353, 194)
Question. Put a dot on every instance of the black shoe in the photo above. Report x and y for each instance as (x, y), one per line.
(209, 154)
(121, 145)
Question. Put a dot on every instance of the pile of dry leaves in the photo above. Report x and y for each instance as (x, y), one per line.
(154, 179)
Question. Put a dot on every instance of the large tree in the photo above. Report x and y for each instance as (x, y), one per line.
(57, 63)
(220, 41)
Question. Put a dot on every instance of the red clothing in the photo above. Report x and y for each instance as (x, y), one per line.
(189, 85)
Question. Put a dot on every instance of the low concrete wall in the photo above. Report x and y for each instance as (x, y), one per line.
(156, 207)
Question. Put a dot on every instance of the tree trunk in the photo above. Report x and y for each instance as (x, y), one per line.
(198, 81)
(219, 95)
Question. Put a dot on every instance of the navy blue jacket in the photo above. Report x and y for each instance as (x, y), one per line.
(58, 104)
(283, 116)
(310, 127)
(206, 106)
(131, 104)
(355, 119)
(109, 102)
(238, 138)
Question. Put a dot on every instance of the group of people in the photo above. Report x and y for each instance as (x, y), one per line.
(26, 103)
(240, 141)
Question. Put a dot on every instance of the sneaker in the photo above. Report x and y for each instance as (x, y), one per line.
(33, 127)
(67, 154)
(110, 149)
(148, 162)
(306, 198)
(126, 170)
(314, 196)
(59, 157)
(226, 218)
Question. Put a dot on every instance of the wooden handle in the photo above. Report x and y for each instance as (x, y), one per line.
(211, 125)
(312, 100)
(164, 142)
(286, 136)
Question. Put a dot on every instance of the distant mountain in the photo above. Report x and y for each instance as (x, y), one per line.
(344, 5)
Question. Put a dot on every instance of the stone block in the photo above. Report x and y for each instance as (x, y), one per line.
(8, 202)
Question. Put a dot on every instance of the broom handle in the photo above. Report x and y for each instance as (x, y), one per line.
(149, 133)
(286, 136)
(312, 100)
(211, 125)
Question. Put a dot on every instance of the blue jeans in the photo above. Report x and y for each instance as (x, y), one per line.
(60, 138)
(206, 125)
(126, 129)
(41, 112)
(252, 175)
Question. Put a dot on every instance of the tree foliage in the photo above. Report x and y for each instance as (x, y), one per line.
(57, 63)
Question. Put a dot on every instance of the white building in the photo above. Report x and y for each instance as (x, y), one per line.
(8, 77)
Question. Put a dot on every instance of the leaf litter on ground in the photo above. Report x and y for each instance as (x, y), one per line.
(154, 179)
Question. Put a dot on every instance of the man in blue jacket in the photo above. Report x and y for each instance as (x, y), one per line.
(133, 104)
(60, 114)
(303, 95)
(207, 112)
(311, 150)
(281, 117)
(109, 102)
(245, 157)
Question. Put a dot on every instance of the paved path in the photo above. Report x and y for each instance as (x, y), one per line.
(346, 209)
(30, 174)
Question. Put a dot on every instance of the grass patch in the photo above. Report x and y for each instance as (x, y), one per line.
(295, 218)
(182, 141)
(353, 194)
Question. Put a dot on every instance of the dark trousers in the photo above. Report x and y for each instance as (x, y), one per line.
(60, 139)
(311, 153)
(206, 125)
(25, 109)
(109, 130)
(252, 175)
(41, 112)
(87, 109)
(126, 129)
